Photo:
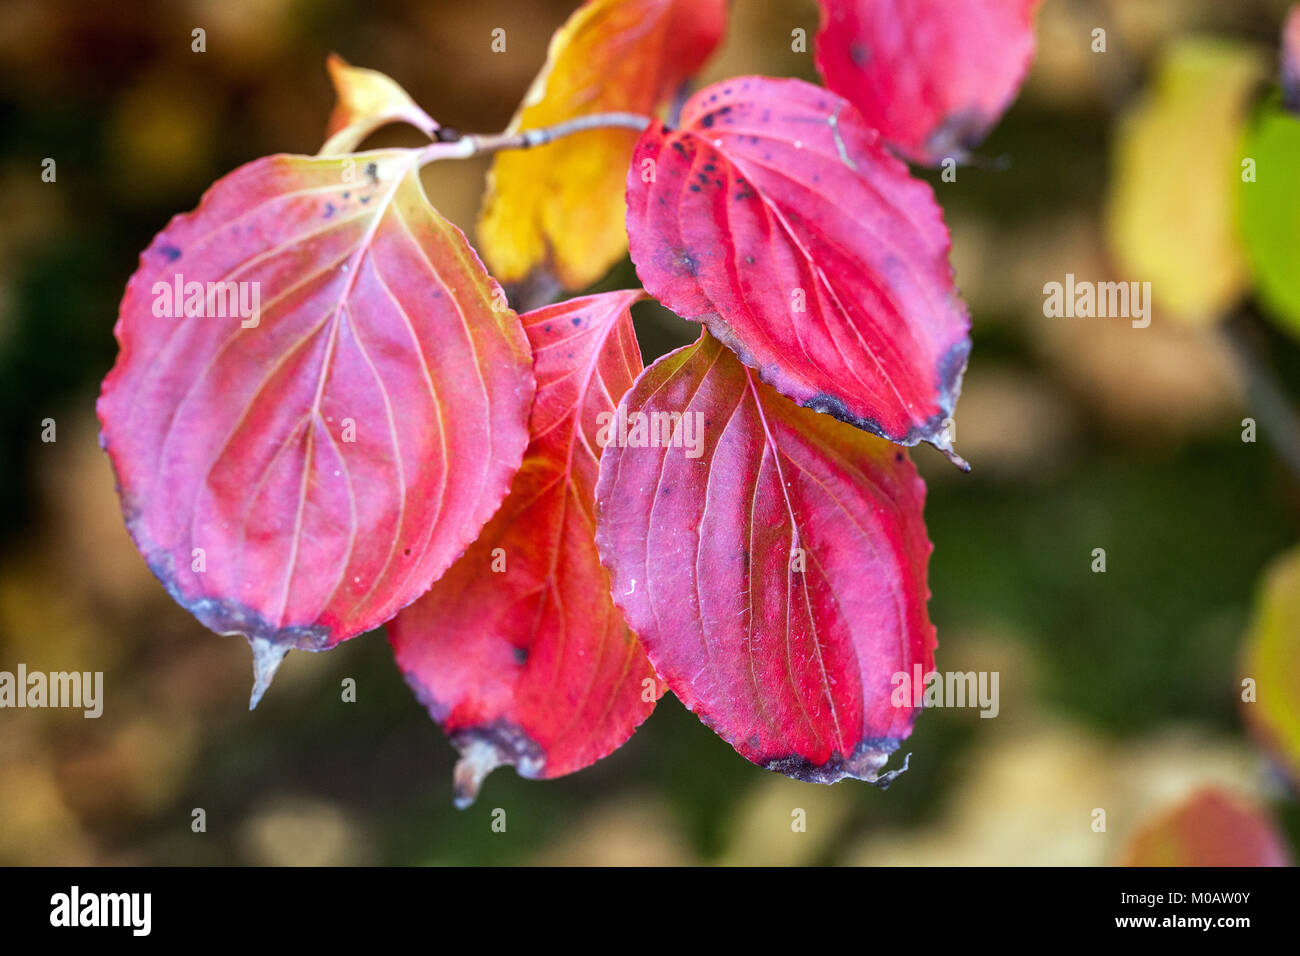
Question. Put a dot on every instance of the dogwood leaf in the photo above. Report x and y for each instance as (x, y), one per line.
(773, 563)
(560, 206)
(932, 76)
(320, 398)
(518, 651)
(775, 217)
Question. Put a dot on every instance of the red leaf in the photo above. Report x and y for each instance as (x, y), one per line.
(794, 668)
(774, 197)
(307, 450)
(933, 76)
(528, 662)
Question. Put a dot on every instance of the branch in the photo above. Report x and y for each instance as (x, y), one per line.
(455, 145)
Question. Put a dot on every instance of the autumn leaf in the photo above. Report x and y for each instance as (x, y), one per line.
(773, 563)
(774, 217)
(1212, 827)
(1171, 207)
(367, 100)
(518, 650)
(932, 76)
(319, 399)
(1272, 662)
(560, 206)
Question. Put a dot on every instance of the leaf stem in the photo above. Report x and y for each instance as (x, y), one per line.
(455, 145)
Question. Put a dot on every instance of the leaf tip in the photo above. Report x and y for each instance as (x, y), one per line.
(948, 452)
(267, 656)
(485, 747)
(943, 442)
(885, 779)
(478, 758)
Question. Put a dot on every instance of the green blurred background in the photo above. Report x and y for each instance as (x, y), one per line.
(1119, 690)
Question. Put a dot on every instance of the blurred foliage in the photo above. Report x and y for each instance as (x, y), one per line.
(1270, 213)
(1210, 828)
(1119, 690)
(1272, 660)
(1171, 208)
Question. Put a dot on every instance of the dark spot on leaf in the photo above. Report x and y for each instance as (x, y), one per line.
(521, 656)
(171, 252)
(859, 53)
(329, 209)
(708, 119)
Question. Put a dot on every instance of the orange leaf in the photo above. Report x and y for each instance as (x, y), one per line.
(367, 100)
(561, 205)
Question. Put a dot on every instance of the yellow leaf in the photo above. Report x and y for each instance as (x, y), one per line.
(1171, 211)
(367, 100)
(1273, 662)
(561, 205)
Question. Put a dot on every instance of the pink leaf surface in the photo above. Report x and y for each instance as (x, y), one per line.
(777, 579)
(299, 471)
(775, 218)
(933, 76)
(518, 650)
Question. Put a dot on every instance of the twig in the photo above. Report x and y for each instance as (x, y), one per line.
(454, 145)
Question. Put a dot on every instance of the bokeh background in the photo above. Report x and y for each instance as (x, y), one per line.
(1118, 690)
